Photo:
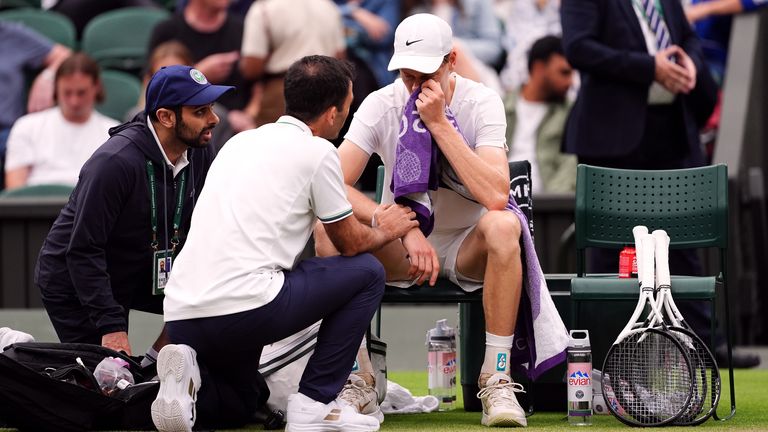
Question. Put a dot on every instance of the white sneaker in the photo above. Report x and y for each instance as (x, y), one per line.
(361, 396)
(500, 406)
(174, 408)
(305, 414)
(9, 336)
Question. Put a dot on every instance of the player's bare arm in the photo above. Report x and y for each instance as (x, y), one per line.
(350, 237)
(485, 171)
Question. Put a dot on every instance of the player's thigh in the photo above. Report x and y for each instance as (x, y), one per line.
(472, 255)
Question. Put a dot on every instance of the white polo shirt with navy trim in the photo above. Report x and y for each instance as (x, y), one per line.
(262, 196)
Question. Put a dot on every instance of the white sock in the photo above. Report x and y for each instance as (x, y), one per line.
(150, 357)
(497, 350)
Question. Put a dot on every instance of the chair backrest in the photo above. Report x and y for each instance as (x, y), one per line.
(52, 25)
(519, 185)
(121, 93)
(690, 204)
(119, 38)
(43, 190)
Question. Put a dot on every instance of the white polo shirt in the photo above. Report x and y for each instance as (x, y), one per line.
(255, 214)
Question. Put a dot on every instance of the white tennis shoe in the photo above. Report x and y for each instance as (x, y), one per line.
(500, 406)
(362, 396)
(174, 408)
(305, 414)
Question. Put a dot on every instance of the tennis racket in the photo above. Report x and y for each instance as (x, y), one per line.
(706, 375)
(647, 373)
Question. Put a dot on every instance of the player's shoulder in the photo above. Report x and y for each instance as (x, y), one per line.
(388, 99)
(469, 90)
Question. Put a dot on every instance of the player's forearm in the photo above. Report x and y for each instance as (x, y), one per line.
(362, 206)
(486, 183)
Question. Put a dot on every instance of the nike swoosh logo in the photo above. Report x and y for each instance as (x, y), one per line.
(409, 43)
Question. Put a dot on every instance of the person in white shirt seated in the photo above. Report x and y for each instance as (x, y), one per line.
(50, 146)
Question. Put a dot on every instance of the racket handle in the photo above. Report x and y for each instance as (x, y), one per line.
(637, 232)
(662, 258)
(648, 246)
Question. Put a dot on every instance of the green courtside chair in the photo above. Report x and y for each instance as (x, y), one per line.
(52, 25)
(690, 204)
(38, 191)
(121, 93)
(118, 39)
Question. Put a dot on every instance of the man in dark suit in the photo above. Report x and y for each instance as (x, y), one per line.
(637, 69)
(639, 106)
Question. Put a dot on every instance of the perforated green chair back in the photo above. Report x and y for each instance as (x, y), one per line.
(36, 191)
(690, 204)
(121, 90)
(118, 39)
(52, 25)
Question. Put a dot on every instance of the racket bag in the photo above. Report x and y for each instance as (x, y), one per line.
(43, 387)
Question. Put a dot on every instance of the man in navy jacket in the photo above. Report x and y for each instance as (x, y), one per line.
(634, 108)
(112, 245)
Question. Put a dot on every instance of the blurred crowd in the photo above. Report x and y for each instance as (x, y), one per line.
(49, 120)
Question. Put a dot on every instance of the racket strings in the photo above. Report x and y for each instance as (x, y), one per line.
(649, 379)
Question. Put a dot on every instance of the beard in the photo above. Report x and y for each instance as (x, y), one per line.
(192, 138)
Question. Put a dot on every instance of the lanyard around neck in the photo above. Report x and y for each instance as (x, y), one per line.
(153, 206)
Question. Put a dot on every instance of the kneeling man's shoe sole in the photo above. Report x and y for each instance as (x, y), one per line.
(174, 408)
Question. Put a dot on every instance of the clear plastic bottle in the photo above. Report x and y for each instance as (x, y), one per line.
(112, 374)
(441, 364)
(579, 379)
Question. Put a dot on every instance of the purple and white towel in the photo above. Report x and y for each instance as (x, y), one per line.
(541, 338)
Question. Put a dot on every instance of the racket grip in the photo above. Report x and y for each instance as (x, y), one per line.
(662, 257)
(637, 232)
(648, 246)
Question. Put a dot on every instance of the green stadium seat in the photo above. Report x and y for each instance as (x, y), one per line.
(52, 25)
(37, 191)
(8, 4)
(691, 205)
(118, 39)
(122, 91)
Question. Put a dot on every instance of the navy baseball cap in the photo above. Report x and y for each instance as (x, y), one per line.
(179, 86)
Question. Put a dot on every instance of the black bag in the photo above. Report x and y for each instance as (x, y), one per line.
(44, 388)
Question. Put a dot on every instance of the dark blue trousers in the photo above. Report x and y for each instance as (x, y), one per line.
(344, 292)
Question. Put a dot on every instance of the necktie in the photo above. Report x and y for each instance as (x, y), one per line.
(656, 23)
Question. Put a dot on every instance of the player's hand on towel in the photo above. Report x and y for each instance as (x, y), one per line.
(422, 256)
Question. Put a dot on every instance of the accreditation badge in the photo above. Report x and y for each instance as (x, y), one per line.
(161, 270)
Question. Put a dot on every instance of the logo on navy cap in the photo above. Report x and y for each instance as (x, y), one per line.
(198, 76)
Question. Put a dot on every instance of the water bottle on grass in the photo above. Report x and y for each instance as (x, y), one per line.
(441, 362)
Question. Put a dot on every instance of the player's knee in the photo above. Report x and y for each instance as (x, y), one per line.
(501, 231)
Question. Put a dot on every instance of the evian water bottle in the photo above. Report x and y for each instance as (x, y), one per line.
(441, 361)
(579, 379)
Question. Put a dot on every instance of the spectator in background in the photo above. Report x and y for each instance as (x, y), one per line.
(214, 37)
(536, 116)
(526, 21)
(50, 146)
(279, 32)
(80, 12)
(25, 50)
(712, 22)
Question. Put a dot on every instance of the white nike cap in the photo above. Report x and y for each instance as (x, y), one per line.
(421, 42)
